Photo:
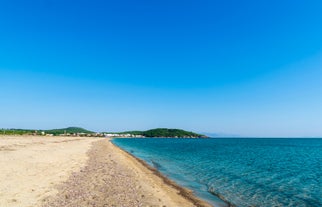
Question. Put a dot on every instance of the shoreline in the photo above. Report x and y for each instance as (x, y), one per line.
(113, 177)
(83, 172)
(182, 191)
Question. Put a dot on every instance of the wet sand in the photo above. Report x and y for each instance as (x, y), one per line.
(81, 172)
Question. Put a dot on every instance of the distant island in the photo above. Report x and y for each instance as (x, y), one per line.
(77, 131)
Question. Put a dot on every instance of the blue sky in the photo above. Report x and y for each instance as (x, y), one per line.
(250, 68)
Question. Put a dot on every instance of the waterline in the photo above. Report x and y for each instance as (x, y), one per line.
(245, 172)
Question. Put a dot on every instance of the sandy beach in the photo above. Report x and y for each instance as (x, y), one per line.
(65, 171)
(31, 167)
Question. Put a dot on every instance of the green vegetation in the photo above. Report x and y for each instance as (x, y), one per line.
(55, 132)
(69, 130)
(18, 131)
(76, 131)
(170, 133)
(164, 132)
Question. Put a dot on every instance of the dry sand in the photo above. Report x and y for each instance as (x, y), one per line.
(31, 167)
(42, 171)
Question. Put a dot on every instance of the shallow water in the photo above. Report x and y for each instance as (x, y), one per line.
(244, 172)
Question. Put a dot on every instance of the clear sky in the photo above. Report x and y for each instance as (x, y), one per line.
(250, 68)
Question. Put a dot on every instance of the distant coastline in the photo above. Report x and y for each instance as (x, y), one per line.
(81, 132)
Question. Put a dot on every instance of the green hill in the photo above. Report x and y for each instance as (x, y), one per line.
(164, 132)
(69, 130)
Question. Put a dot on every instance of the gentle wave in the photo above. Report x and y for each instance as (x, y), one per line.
(243, 172)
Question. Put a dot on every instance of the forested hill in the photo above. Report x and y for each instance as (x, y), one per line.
(164, 132)
(69, 130)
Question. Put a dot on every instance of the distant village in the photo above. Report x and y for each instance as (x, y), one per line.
(123, 135)
(107, 135)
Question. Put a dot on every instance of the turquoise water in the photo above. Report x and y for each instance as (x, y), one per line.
(244, 172)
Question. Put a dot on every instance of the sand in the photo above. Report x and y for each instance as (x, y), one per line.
(43, 171)
(31, 167)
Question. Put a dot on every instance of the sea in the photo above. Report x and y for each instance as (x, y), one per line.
(238, 171)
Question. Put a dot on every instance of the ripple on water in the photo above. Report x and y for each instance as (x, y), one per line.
(246, 172)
